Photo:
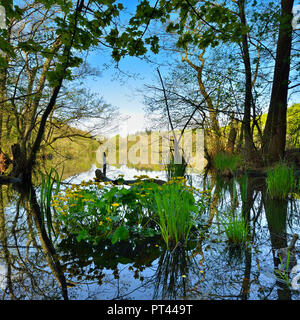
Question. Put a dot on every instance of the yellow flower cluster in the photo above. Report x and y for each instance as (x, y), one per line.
(73, 196)
(177, 180)
(108, 219)
(88, 200)
(115, 204)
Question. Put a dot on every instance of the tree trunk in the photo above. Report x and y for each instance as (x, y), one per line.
(274, 137)
(19, 162)
(4, 247)
(232, 137)
(213, 132)
(250, 151)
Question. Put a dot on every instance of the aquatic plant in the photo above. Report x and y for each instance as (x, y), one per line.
(47, 191)
(280, 181)
(283, 274)
(236, 229)
(227, 162)
(174, 170)
(177, 212)
(95, 211)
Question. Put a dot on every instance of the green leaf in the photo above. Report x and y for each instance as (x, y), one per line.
(121, 233)
(82, 235)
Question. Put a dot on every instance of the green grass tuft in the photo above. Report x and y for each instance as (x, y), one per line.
(47, 191)
(281, 181)
(176, 211)
(236, 229)
(224, 161)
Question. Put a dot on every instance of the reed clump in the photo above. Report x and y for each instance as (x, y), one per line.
(177, 212)
(281, 181)
(236, 229)
(225, 162)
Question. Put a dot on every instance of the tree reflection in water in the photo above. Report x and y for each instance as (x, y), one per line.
(207, 268)
(176, 274)
(24, 247)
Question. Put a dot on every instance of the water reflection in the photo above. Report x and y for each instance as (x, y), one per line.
(33, 267)
(177, 273)
(29, 257)
(276, 214)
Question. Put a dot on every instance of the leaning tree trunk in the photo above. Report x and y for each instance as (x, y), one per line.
(213, 132)
(274, 138)
(29, 161)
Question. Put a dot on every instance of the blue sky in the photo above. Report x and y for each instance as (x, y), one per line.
(123, 91)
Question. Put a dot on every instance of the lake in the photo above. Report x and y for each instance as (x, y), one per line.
(207, 268)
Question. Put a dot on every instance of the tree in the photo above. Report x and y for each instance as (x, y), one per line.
(43, 46)
(202, 94)
(249, 147)
(274, 138)
(225, 25)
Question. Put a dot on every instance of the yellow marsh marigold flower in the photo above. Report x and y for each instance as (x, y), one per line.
(115, 204)
(108, 219)
(100, 223)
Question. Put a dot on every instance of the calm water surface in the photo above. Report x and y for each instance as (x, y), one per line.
(207, 269)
